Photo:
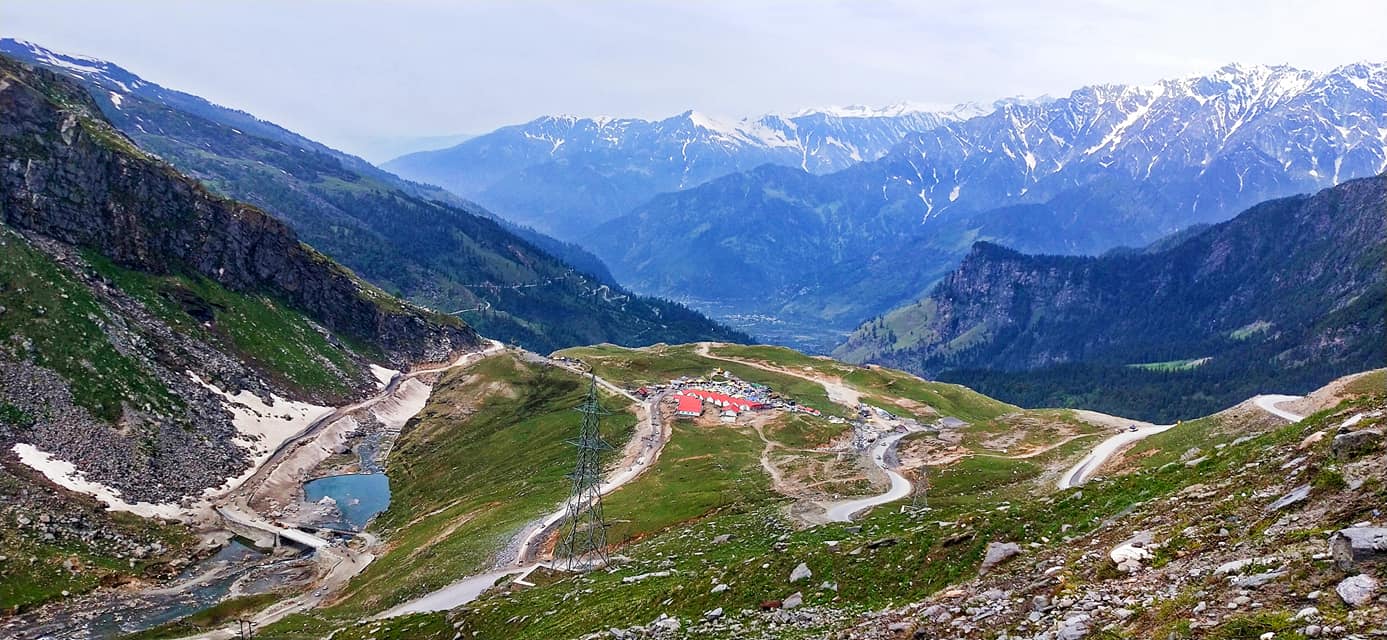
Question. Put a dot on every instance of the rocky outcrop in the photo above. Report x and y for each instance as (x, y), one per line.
(1355, 547)
(69, 176)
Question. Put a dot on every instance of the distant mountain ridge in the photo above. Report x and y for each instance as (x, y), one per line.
(1106, 166)
(415, 240)
(563, 174)
(1287, 295)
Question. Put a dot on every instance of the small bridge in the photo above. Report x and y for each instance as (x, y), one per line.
(268, 535)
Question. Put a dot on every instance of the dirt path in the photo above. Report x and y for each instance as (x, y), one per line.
(900, 487)
(880, 453)
(639, 453)
(777, 479)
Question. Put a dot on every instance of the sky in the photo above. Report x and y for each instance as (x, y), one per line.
(358, 75)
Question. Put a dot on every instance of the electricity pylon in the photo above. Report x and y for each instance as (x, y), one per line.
(586, 531)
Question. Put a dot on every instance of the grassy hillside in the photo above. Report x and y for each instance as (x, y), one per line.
(1285, 297)
(55, 320)
(891, 558)
(662, 363)
(275, 339)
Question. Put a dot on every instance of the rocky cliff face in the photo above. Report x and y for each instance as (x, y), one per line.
(138, 312)
(70, 176)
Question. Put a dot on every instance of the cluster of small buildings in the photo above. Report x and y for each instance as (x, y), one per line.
(729, 395)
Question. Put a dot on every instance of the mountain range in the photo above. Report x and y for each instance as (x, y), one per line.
(413, 240)
(799, 227)
(566, 174)
(1107, 165)
(1287, 295)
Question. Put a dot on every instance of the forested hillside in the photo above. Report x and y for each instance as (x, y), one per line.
(1284, 297)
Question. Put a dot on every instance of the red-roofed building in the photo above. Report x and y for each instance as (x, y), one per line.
(721, 400)
(688, 406)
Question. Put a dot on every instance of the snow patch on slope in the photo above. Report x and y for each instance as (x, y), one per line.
(66, 475)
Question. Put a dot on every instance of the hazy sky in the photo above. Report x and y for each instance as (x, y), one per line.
(347, 72)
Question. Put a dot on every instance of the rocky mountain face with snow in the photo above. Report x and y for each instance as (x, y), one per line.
(418, 241)
(563, 174)
(1105, 166)
(133, 303)
(1287, 295)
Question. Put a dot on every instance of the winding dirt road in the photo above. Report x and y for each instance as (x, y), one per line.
(842, 394)
(900, 486)
(1081, 472)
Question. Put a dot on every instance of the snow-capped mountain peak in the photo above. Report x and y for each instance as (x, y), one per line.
(1314, 128)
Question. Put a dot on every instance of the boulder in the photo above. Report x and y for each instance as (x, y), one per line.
(1258, 580)
(1295, 495)
(1347, 446)
(883, 542)
(801, 572)
(997, 553)
(1356, 546)
(1130, 555)
(794, 600)
(1359, 590)
(1073, 628)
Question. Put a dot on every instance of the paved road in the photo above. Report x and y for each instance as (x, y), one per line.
(900, 487)
(1268, 404)
(844, 395)
(453, 595)
(1081, 472)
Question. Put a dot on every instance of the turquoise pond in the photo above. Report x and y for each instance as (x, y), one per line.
(359, 496)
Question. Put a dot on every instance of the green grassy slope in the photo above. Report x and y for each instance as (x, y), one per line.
(51, 317)
(918, 557)
(278, 341)
(884, 387)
